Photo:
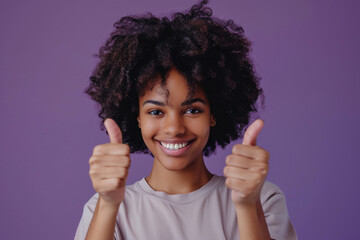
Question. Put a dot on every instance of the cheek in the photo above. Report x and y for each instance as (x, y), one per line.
(201, 127)
(148, 129)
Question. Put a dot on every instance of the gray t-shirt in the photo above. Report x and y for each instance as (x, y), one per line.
(207, 213)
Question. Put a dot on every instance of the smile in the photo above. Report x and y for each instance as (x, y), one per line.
(172, 146)
(175, 149)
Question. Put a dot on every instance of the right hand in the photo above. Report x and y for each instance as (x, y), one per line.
(109, 166)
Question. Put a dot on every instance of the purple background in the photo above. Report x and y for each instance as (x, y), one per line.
(307, 53)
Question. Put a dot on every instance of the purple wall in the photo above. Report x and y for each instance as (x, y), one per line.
(307, 53)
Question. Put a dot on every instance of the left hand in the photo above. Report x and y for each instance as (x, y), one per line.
(246, 168)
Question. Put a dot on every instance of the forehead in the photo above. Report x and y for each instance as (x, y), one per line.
(175, 88)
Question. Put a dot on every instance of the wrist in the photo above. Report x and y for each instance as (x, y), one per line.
(245, 209)
(248, 205)
(253, 209)
(108, 206)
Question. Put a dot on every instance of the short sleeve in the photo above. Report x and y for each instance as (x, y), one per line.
(88, 212)
(276, 213)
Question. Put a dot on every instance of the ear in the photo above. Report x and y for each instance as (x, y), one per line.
(212, 120)
(139, 123)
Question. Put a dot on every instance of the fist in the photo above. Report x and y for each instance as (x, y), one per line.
(247, 167)
(109, 165)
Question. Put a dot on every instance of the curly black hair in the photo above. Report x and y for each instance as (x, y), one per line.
(209, 52)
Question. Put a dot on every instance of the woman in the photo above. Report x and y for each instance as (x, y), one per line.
(177, 88)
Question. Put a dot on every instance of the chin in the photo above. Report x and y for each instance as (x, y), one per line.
(177, 164)
(173, 164)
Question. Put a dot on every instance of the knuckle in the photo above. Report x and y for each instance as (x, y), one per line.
(121, 172)
(226, 171)
(228, 159)
(258, 178)
(92, 172)
(97, 149)
(125, 148)
(127, 162)
(124, 172)
(260, 155)
(231, 159)
(266, 154)
(266, 167)
(93, 160)
(228, 182)
(118, 183)
(236, 148)
(95, 185)
(263, 168)
(267, 157)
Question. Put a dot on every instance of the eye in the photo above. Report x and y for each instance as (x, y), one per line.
(193, 111)
(155, 112)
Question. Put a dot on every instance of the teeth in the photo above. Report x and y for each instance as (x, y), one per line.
(172, 146)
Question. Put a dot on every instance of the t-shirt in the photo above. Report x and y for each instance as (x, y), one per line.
(206, 213)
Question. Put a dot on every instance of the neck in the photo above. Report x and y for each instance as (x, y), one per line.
(181, 181)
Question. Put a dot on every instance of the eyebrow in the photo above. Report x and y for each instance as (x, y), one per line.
(154, 102)
(185, 103)
(190, 101)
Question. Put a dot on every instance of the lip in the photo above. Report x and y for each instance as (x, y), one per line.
(175, 141)
(178, 152)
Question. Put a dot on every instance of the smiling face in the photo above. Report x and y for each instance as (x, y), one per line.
(174, 126)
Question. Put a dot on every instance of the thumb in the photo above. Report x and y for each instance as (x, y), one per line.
(113, 130)
(252, 132)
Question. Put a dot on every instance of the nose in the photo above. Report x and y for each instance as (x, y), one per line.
(174, 125)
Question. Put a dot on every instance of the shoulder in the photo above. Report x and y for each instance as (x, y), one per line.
(270, 192)
(130, 190)
(276, 213)
(135, 188)
(91, 203)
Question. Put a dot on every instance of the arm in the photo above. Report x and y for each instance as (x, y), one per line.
(102, 225)
(251, 222)
(245, 172)
(109, 166)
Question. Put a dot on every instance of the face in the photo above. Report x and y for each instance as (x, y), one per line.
(175, 127)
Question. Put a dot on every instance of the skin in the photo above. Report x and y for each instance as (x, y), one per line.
(245, 171)
(109, 165)
(176, 119)
(172, 118)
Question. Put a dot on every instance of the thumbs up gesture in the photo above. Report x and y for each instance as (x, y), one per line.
(246, 168)
(109, 165)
